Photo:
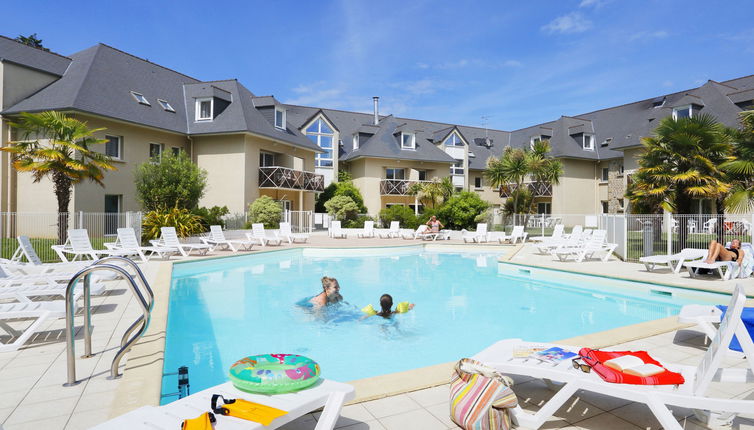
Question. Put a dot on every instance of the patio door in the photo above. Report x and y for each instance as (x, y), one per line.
(112, 213)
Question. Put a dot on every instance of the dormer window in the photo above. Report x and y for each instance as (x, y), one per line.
(204, 108)
(140, 98)
(355, 141)
(280, 118)
(165, 105)
(658, 102)
(683, 112)
(408, 141)
(588, 142)
(453, 140)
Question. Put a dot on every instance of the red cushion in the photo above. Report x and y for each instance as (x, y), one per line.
(595, 358)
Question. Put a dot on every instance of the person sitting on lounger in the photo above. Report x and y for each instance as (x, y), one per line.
(717, 252)
(330, 293)
(434, 225)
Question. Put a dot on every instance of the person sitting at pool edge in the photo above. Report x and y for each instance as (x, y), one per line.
(330, 293)
(717, 252)
(386, 303)
(434, 225)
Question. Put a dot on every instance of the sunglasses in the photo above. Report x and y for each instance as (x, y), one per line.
(578, 364)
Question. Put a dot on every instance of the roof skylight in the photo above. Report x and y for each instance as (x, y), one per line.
(140, 98)
(165, 105)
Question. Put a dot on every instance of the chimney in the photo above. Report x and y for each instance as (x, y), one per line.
(376, 110)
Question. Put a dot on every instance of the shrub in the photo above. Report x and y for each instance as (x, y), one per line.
(174, 181)
(185, 222)
(266, 211)
(211, 216)
(426, 215)
(342, 208)
(358, 222)
(400, 213)
(345, 188)
(461, 210)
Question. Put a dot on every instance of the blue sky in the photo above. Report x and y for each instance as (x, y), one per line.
(514, 63)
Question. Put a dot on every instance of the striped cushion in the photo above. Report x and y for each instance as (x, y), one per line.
(479, 400)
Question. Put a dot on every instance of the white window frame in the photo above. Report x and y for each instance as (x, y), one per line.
(395, 169)
(175, 150)
(481, 182)
(199, 102)
(459, 141)
(621, 170)
(547, 208)
(280, 126)
(263, 154)
(412, 140)
(455, 170)
(533, 140)
(139, 97)
(162, 149)
(584, 140)
(120, 147)
(355, 141)
(166, 105)
(602, 175)
(318, 158)
(678, 108)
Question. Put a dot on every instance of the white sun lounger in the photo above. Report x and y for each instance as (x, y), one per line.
(517, 233)
(217, 238)
(690, 395)
(169, 239)
(25, 292)
(595, 244)
(557, 234)
(326, 393)
(480, 235)
(724, 268)
(674, 261)
(127, 241)
(336, 231)
(704, 317)
(34, 264)
(393, 231)
(260, 236)
(42, 311)
(368, 230)
(80, 246)
(285, 233)
(422, 232)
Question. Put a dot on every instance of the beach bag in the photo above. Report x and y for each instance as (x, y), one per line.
(480, 397)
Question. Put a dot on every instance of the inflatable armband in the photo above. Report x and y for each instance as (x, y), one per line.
(369, 310)
(402, 308)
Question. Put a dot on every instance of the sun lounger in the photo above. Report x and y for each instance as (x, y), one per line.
(690, 394)
(724, 268)
(368, 230)
(217, 238)
(25, 292)
(595, 244)
(705, 317)
(336, 231)
(422, 232)
(576, 231)
(42, 311)
(34, 264)
(326, 394)
(285, 233)
(480, 235)
(127, 241)
(79, 245)
(169, 239)
(675, 261)
(517, 233)
(393, 231)
(557, 234)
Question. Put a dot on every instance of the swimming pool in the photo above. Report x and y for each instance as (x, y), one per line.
(223, 309)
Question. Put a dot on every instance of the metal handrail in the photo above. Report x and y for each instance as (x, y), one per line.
(70, 308)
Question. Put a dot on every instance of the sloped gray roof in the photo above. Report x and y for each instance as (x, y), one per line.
(35, 58)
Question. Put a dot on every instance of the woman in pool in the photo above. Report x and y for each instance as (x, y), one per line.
(330, 293)
(434, 225)
(386, 305)
(717, 252)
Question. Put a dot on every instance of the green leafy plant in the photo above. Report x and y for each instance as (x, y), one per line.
(173, 181)
(267, 211)
(740, 167)
(211, 216)
(462, 210)
(433, 193)
(358, 222)
(185, 223)
(342, 208)
(344, 188)
(403, 214)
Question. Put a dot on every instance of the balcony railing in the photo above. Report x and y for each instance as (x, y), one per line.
(283, 177)
(396, 187)
(538, 189)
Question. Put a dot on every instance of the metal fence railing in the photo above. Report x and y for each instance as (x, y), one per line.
(301, 221)
(44, 229)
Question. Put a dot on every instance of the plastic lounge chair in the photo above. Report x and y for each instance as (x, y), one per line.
(704, 317)
(285, 233)
(52, 278)
(80, 246)
(336, 231)
(217, 238)
(368, 230)
(34, 264)
(25, 292)
(42, 311)
(326, 393)
(577, 230)
(690, 395)
(557, 234)
(517, 233)
(724, 268)
(709, 225)
(443, 235)
(260, 236)
(574, 239)
(127, 242)
(674, 261)
(422, 232)
(169, 239)
(596, 243)
(393, 231)
(480, 235)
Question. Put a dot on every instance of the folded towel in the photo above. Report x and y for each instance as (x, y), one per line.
(747, 316)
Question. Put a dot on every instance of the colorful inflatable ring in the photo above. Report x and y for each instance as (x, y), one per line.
(274, 373)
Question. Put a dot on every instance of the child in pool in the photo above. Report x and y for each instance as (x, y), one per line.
(386, 305)
(330, 293)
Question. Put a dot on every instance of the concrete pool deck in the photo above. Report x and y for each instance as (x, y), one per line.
(31, 378)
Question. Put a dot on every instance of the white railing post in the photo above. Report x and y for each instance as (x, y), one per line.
(81, 219)
(667, 221)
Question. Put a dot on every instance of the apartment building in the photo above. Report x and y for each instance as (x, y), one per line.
(254, 145)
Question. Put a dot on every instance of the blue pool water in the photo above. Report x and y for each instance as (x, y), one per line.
(224, 309)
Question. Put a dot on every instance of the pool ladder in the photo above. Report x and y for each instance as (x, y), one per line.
(127, 340)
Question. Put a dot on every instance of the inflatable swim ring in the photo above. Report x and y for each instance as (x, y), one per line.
(274, 373)
(400, 308)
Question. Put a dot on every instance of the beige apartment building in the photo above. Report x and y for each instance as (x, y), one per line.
(251, 145)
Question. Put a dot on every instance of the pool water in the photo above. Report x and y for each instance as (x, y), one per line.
(221, 310)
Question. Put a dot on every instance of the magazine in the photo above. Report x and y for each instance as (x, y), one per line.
(527, 351)
(553, 355)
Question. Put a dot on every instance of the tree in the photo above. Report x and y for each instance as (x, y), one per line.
(741, 167)
(267, 211)
(59, 147)
(433, 193)
(32, 40)
(173, 181)
(403, 214)
(343, 188)
(342, 208)
(462, 210)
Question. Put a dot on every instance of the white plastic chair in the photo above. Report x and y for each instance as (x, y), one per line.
(169, 239)
(368, 230)
(127, 241)
(259, 235)
(285, 233)
(393, 231)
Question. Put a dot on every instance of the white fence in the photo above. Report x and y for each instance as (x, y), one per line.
(42, 229)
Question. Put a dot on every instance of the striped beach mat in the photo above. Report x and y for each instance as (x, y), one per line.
(480, 397)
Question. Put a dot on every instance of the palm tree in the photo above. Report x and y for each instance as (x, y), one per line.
(680, 163)
(57, 146)
(741, 166)
(433, 193)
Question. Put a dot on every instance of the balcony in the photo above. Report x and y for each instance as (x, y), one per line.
(283, 177)
(396, 187)
(538, 189)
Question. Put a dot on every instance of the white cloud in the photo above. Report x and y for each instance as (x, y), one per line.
(667, 83)
(573, 22)
(512, 63)
(648, 35)
(594, 3)
(475, 62)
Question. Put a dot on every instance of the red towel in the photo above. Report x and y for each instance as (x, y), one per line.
(595, 358)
